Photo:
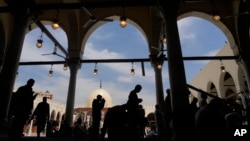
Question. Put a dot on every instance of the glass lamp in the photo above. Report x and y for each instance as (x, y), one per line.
(223, 70)
(132, 72)
(95, 72)
(39, 43)
(55, 24)
(216, 16)
(123, 22)
(50, 73)
(65, 67)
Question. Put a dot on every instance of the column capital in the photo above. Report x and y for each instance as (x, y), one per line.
(74, 63)
(157, 61)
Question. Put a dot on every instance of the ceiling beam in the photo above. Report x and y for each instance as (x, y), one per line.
(131, 60)
(90, 4)
(99, 4)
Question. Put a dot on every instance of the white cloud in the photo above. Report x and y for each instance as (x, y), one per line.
(103, 35)
(91, 52)
(186, 32)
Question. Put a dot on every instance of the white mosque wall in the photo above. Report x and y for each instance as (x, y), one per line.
(211, 73)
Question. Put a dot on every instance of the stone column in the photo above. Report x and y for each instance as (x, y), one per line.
(157, 63)
(9, 67)
(85, 116)
(178, 86)
(73, 64)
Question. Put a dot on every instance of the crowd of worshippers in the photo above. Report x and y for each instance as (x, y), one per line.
(208, 119)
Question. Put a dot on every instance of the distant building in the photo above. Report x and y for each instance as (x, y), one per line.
(85, 112)
(57, 110)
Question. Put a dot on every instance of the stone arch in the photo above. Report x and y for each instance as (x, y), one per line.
(53, 115)
(226, 82)
(63, 117)
(115, 18)
(58, 115)
(211, 88)
(219, 24)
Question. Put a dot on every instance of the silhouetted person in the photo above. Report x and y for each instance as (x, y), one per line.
(97, 106)
(52, 129)
(79, 132)
(133, 100)
(160, 123)
(168, 115)
(49, 129)
(22, 109)
(142, 121)
(193, 105)
(118, 127)
(12, 106)
(133, 104)
(193, 109)
(203, 101)
(248, 113)
(65, 129)
(210, 121)
(42, 114)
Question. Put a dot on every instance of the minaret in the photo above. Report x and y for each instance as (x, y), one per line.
(100, 84)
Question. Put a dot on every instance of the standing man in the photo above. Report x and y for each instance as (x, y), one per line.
(22, 109)
(97, 106)
(133, 111)
(133, 100)
(42, 113)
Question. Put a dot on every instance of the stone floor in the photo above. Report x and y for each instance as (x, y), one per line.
(33, 138)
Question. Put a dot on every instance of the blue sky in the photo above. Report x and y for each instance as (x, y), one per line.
(198, 38)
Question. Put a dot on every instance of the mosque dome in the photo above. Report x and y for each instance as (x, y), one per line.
(104, 94)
